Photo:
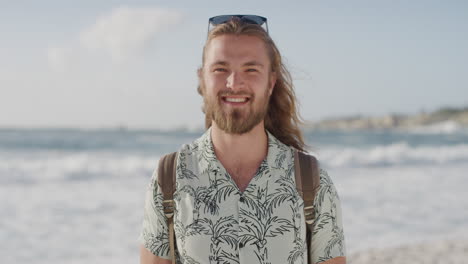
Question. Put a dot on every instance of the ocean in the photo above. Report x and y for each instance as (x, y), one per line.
(76, 196)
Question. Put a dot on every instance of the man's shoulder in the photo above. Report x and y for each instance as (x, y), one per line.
(197, 145)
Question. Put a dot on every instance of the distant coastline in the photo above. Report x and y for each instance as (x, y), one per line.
(444, 119)
(447, 119)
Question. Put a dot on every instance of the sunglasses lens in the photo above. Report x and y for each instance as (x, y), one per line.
(246, 18)
(220, 19)
(254, 20)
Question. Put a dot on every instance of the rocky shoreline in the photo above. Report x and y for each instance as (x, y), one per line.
(447, 118)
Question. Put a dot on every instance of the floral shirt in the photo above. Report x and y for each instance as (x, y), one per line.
(217, 223)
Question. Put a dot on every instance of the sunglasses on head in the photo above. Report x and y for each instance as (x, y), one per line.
(250, 19)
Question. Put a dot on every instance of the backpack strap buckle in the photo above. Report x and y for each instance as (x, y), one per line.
(309, 214)
(307, 182)
(168, 206)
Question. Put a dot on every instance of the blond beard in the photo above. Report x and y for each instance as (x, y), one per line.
(235, 121)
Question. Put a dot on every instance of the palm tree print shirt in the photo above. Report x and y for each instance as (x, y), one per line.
(217, 223)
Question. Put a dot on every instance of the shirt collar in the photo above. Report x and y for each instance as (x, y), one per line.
(275, 147)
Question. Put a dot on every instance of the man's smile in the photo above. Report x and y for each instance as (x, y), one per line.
(235, 100)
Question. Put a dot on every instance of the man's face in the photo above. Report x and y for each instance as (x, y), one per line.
(236, 82)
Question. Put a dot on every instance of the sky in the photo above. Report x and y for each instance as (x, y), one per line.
(111, 63)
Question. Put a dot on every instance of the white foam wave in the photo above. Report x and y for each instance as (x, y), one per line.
(392, 206)
(60, 166)
(394, 154)
(48, 166)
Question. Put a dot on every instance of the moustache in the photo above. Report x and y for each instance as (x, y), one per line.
(231, 93)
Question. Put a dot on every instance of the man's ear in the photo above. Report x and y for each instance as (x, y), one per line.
(200, 78)
(272, 82)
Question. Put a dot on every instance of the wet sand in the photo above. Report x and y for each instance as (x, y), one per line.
(446, 252)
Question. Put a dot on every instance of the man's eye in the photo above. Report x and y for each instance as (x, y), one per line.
(251, 70)
(220, 70)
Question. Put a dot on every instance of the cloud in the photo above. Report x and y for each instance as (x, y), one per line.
(126, 31)
(121, 34)
(58, 57)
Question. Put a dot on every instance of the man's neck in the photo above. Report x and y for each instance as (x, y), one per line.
(245, 150)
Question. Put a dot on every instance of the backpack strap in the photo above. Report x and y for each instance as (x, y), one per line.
(166, 180)
(307, 174)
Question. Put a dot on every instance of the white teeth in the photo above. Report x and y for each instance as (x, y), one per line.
(236, 100)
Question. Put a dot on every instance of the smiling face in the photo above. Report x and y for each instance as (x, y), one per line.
(236, 82)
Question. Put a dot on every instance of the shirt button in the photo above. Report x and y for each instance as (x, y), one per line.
(241, 199)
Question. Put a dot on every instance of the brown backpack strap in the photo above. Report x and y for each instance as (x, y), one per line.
(166, 180)
(307, 183)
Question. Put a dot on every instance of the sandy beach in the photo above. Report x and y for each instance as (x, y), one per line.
(446, 252)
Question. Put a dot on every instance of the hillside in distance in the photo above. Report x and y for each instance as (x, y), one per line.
(447, 119)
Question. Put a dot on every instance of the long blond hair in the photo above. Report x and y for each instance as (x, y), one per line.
(282, 118)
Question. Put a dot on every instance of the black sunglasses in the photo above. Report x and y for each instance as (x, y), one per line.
(250, 19)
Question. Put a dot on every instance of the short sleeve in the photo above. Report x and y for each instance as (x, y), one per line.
(327, 236)
(154, 234)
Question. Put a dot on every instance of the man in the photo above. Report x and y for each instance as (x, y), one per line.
(236, 199)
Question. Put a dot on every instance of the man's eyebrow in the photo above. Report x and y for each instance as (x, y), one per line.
(220, 62)
(249, 63)
(254, 63)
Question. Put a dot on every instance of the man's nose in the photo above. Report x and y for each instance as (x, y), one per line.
(235, 81)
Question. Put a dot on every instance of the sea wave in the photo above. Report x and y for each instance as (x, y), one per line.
(45, 166)
(48, 166)
(396, 154)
